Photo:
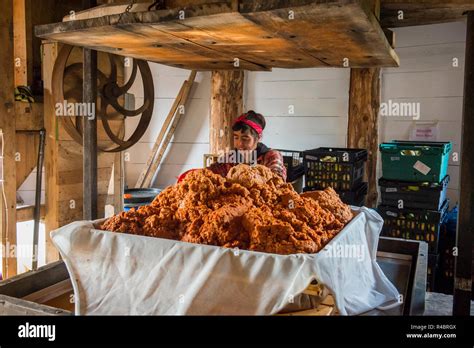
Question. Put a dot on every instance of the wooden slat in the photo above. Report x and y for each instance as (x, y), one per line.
(29, 116)
(160, 137)
(51, 164)
(260, 35)
(423, 12)
(182, 102)
(27, 283)
(50, 292)
(14, 306)
(25, 213)
(22, 38)
(350, 31)
(27, 152)
(237, 37)
(169, 134)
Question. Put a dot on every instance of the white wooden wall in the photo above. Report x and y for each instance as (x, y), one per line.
(191, 139)
(426, 75)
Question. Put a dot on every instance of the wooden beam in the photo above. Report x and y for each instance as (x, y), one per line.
(261, 35)
(362, 131)
(50, 292)
(7, 126)
(463, 267)
(29, 117)
(403, 13)
(90, 136)
(27, 152)
(15, 306)
(226, 104)
(25, 213)
(50, 52)
(22, 44)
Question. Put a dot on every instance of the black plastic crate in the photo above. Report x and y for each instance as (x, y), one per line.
(339, 176)
(355, 197)
(291, 158)
(424, 195)
(293, 161)
(432, 272)
(337, 154)
(414, 224)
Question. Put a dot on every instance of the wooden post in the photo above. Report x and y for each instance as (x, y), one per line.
(463, 267)
(362, 132)
(23, 42)
(7, 127)
(90, 136)
(226, 105)
(51, 164)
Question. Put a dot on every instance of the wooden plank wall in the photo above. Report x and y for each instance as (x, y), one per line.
(191, 139)
(304, 108)
(427, 76)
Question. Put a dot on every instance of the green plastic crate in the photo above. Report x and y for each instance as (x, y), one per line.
(415, 160)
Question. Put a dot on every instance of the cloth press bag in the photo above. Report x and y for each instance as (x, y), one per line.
(122, 274)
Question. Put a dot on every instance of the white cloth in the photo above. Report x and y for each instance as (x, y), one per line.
(116, 273)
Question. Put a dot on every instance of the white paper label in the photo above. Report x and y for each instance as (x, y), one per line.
(421, 167)
(389, 213)
(425, 132)
(391, 189)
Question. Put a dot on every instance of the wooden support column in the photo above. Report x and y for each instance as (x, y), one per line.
(52, 158)
(90, 137)
(463, 267)
(226, 105)
(23, 43)
(362, 131)
(7, 127)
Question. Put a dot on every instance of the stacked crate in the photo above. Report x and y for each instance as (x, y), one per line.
(339, 168)
(413, 195)
(445, 283)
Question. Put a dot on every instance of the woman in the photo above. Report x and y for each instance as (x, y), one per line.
(247, 130)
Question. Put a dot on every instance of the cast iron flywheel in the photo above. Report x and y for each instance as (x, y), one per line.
(109, 93)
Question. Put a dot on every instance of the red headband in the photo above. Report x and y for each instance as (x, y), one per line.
(255, 126)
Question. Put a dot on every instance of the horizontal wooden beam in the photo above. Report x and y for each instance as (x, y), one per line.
(25, 213)
(29, 117)
(403, 13)
(256, 35)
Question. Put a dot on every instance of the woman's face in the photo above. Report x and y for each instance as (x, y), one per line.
(245, 141)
